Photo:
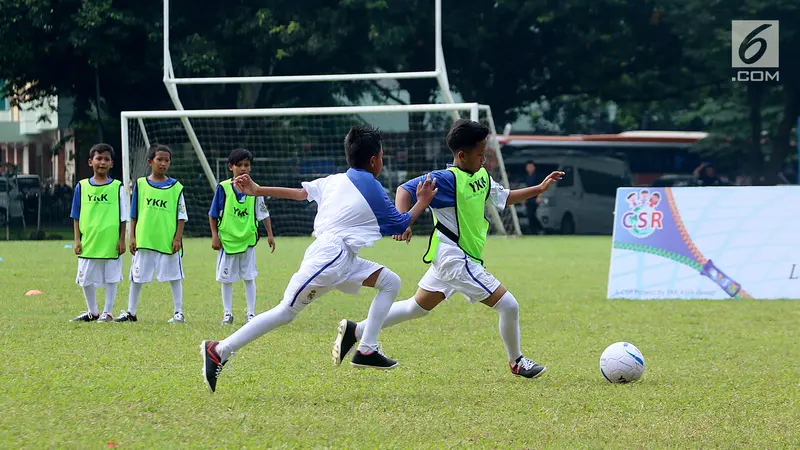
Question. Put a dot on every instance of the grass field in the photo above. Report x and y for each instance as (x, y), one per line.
(719, 374)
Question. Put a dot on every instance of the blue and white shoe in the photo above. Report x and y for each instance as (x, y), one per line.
(177, 318)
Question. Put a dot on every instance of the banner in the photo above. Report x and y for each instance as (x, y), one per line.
(706, 243)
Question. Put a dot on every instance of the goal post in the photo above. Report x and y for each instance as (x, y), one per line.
(291, 145)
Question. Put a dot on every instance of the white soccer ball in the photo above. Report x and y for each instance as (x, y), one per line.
(622, 362)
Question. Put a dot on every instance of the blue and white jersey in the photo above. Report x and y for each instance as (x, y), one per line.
(354, 208)
(444, 202)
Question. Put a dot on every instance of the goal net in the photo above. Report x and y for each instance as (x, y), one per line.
(292, 145)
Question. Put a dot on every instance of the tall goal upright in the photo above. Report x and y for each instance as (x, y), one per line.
(298, 137)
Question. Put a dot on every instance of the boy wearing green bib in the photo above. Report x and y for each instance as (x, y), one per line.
(158, 213)
(455, 249)
(99, 213)
(234, 218)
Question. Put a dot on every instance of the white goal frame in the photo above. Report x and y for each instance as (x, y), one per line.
(474, 109)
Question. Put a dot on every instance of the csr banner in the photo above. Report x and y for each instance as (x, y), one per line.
(706, 243)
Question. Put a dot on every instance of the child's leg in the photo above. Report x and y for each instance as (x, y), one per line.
(250, 295)
(431, 292)
(133, 296)
(299, 293)
(227, 298)
(111, 295)
(508, 309)
(177, 295)
(143, 267)
(90, 294)
(388, 285)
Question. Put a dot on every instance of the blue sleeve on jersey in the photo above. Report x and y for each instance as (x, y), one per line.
(446, 183)
(134, 202)
(218, 204)
(76, 203)
(390, 220)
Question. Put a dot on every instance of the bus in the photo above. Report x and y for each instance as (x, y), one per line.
(650, 154)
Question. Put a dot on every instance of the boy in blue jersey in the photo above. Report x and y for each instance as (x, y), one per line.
(353, 212)
(158, 214)
(456, 245)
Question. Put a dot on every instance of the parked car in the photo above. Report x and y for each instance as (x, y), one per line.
(583, 201)
(10, 204)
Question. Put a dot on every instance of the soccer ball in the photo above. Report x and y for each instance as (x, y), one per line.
(621, 362)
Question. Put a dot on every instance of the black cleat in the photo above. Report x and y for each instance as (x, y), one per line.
(212, 363)
(524, 367)
(372, 360)
(126, 316)
(86, 317)
(345, 340)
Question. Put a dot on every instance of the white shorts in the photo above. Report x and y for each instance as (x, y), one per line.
(98, 271)
(327, 265)
(241, 266)
(148, 262)
(452, 271)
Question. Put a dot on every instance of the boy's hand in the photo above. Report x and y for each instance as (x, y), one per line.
(271, 242)
(245, 184)
(426, 190)
(216, 244)
(552, 178)
(121, 247)
(176, 245)
(406, 236)
(132, 246)
(77, 248)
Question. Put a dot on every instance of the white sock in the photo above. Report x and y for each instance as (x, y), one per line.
(227, 297)
(111, 295)
(259, 326)
(133, 296)
(508, 308)
(177, 294)
(400, 312)
(90, 294)
(250, 295)
(388, 285)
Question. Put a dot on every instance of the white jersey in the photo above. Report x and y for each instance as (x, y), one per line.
(355, 208)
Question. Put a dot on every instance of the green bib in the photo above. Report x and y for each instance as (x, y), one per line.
(99, 222)
(238, 228)
(472, 191)
(157, 220)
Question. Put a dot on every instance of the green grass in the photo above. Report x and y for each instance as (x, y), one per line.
(719, 373)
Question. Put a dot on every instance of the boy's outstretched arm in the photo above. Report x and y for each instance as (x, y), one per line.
(246, 184)
(520, 195)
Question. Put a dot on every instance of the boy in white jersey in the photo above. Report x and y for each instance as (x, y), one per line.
(457, 244)
(158, 213)
(99, 213)
(353, 212)
(233, 218)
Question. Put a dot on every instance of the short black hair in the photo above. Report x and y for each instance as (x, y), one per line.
(465, 134)
(530, 161)
(155, 148)
(240, 154)
(361, 144)
(101, 148)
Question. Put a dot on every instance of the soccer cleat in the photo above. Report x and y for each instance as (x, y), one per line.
(345, 340)
(227, 319)
(524, 367)
(250, 316)
(106, 317)
(372, 360)
(86, 317)
(177, 318)
(212, 363)
(126, 316)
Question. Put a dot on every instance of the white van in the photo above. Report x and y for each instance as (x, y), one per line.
(582, 202)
